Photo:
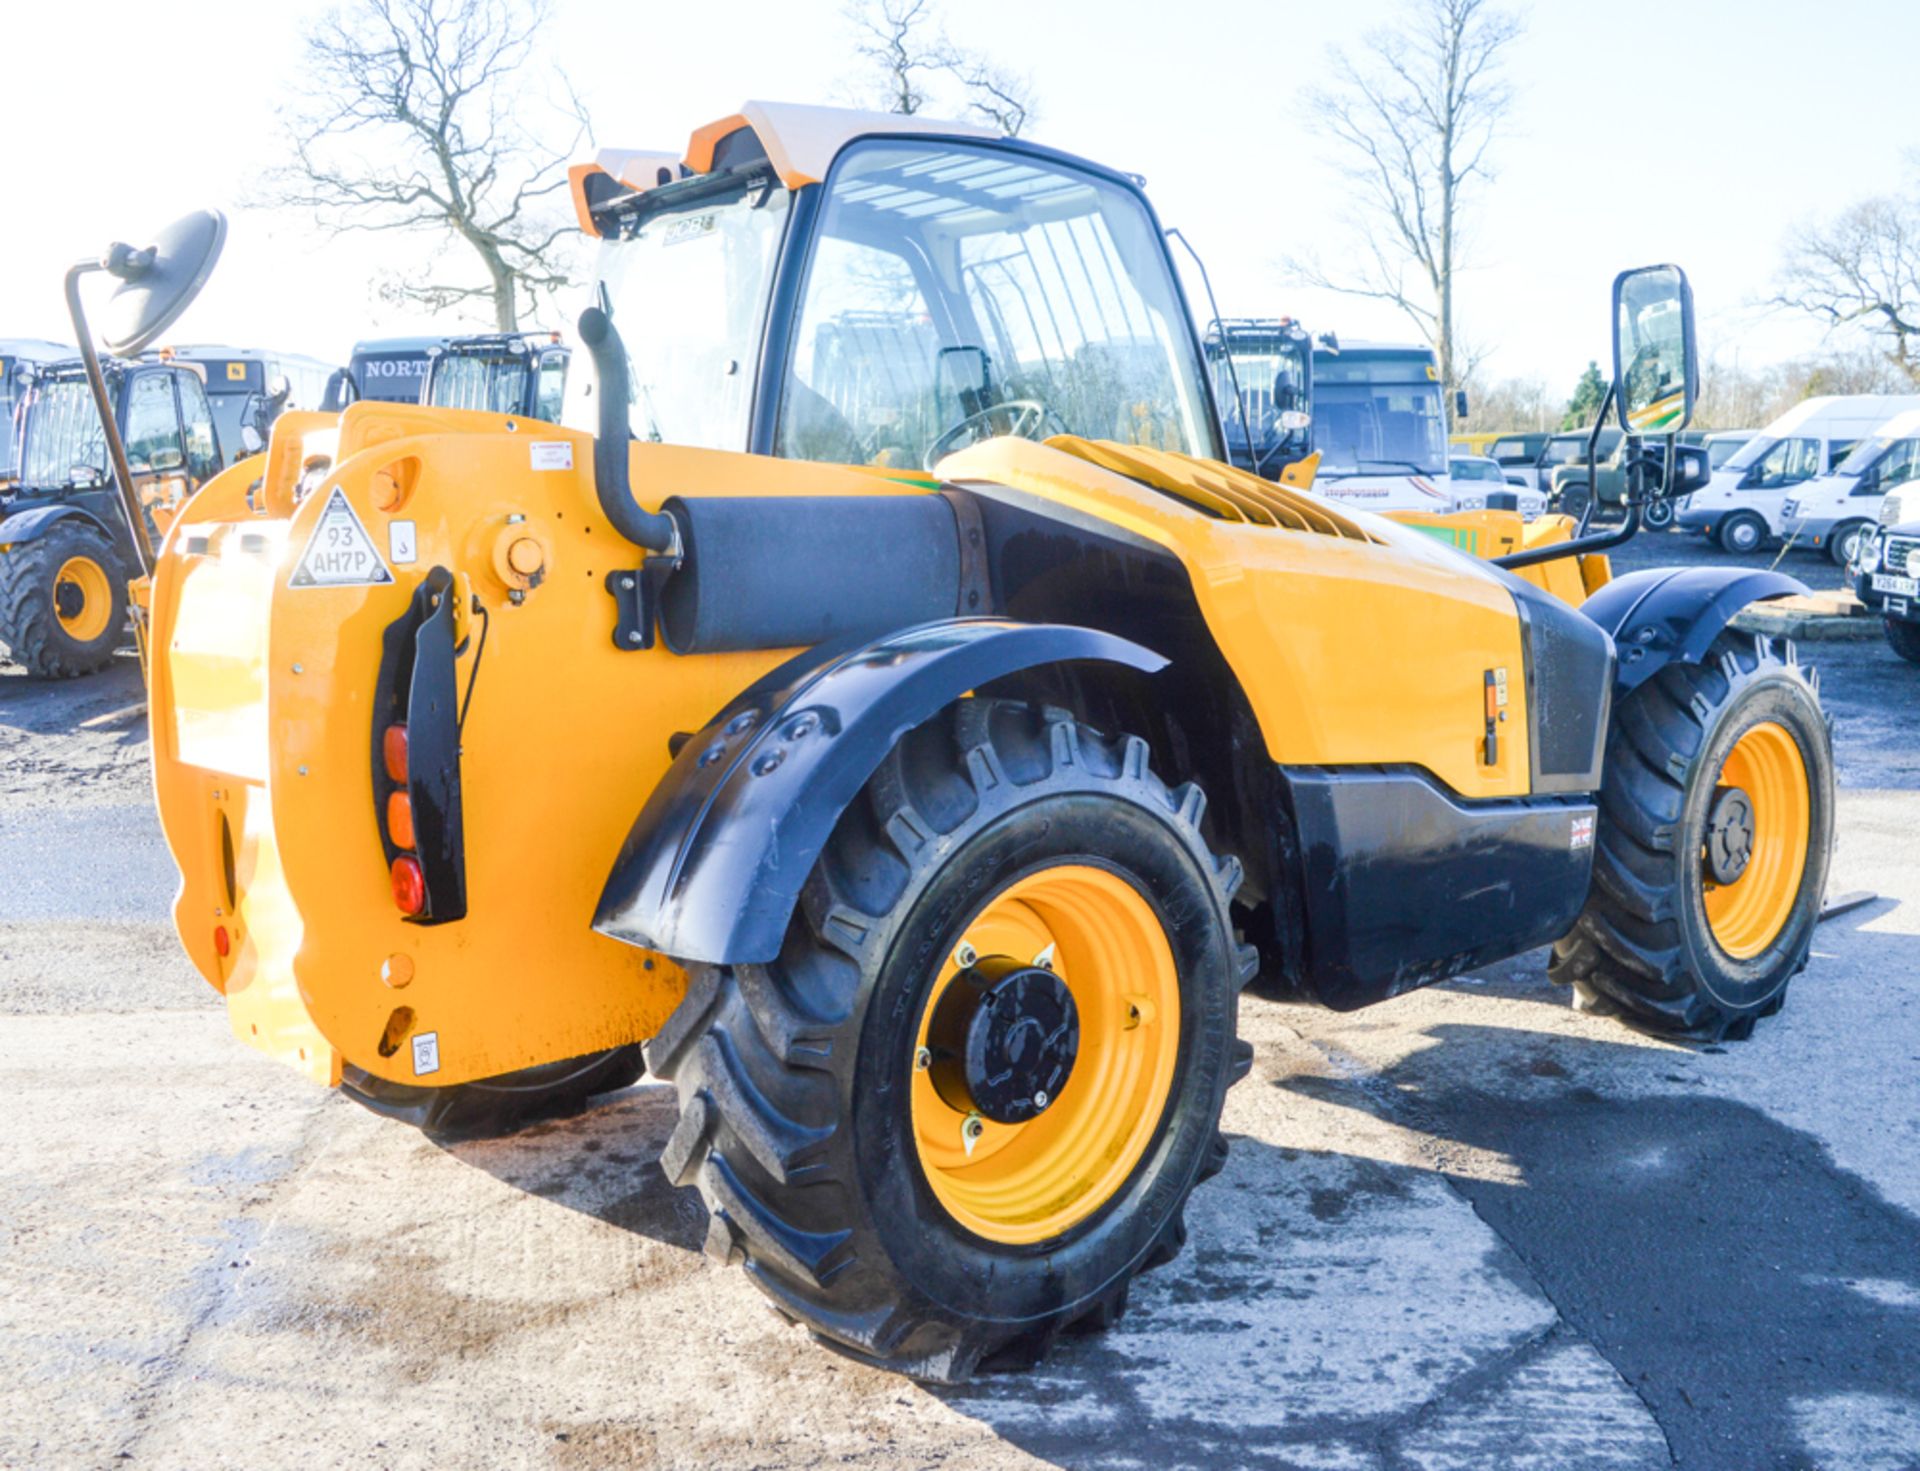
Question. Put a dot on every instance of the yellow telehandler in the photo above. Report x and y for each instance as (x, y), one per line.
(887, 707)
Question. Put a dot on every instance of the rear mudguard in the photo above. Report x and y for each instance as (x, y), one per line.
(1672, 614)
(713, 867)
(32, 524)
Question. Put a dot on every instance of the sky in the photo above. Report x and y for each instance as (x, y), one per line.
(1772, 113)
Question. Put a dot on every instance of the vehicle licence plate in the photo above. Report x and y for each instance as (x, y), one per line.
(1907, 586)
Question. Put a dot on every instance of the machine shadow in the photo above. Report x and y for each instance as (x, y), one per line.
(1330, 1299)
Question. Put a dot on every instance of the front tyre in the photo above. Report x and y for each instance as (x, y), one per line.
(1742, 533)
(967, 1103)
(1716, 825)
(1844, 545)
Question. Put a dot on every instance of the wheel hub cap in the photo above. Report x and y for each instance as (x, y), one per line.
(1003, 1039)
(68, 600)
(1729, 835)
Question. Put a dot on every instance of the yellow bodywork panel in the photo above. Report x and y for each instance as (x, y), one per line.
(263, 691)
(1356, 640)
(1353, 649)
(1490, 534)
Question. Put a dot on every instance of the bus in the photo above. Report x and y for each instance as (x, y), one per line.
(1262, 371)
(392, 369)
(242, 383)
(1380, 428)
(19, 356)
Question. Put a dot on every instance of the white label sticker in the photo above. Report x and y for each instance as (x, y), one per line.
(1582, 835)
(426, 1053)
(339, 553)
(549, 454)
(401, 545)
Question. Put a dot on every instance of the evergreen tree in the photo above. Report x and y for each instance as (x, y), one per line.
(1588, 394)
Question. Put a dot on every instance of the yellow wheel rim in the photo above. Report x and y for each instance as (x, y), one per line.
(82, 598)
(1032, 1181)
(1748, 914)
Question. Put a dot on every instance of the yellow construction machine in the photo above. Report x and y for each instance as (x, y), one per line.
(886, 707)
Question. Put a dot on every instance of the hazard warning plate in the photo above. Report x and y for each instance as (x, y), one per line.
(339, 553)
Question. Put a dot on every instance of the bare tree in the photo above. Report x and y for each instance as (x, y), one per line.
(1414, 121)
(909, 62)
(1862, 269)
(417, 116)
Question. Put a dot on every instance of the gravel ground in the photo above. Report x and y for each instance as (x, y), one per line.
(1467, 1228)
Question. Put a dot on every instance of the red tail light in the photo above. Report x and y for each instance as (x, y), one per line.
(393, 750)
(409, 885)
(221, 944)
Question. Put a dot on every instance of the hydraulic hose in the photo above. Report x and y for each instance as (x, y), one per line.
(653, 530)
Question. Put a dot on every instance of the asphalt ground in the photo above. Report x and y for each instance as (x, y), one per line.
(1467, 1228)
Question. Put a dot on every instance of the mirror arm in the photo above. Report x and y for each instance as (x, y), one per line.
(96, 380)
(1600, 541)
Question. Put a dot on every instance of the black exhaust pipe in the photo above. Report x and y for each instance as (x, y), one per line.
(652, 530)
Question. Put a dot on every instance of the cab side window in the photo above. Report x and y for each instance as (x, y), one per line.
(196, 414)
(153, 425)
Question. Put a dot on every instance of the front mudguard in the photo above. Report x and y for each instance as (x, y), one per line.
(713, 867)
(1673, 614)
(37, 521)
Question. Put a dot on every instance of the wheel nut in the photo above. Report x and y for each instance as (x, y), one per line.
(965, 955)
(970, 1132)
(1040, 1098)
(922, 1060)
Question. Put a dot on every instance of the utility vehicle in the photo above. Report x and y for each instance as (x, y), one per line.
(1380, 428)
(920, 780)
(250, 387)
(1263, 381)
(520, 373)
(1836, 513)
(1744, 505)
(66, 550)
(1889, 570)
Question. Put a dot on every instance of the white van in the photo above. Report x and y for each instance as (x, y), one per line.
(1831, 512)
(1745, 502)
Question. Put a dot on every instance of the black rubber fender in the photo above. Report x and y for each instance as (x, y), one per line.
(713, 866)
(1673, 614)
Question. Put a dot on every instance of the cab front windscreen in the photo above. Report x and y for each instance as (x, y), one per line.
(956, 292)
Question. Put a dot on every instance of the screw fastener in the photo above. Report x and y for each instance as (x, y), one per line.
(922, 1060)
(965, 955)
(970, 1131)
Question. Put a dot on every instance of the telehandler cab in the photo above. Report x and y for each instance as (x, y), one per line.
(65, 548)
(919, 761)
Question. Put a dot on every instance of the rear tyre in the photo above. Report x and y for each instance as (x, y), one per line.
(63, 602)
(1844, 545)
(1904, 638)
(1716, 824)
(1741, 533)
(911, 1210)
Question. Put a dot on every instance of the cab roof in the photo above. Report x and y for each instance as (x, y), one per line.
(800, 142)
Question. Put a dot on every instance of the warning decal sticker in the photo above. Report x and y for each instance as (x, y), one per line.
(339, 553)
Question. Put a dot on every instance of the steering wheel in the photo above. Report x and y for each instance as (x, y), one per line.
(1029, 415)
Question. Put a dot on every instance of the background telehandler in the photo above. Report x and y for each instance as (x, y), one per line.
(921, 778)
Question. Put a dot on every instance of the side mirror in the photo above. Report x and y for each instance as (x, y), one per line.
(1692, 469)
(250, 439)
(280, 389)
(158, 283)
(1459, 403)
(1655, 356)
